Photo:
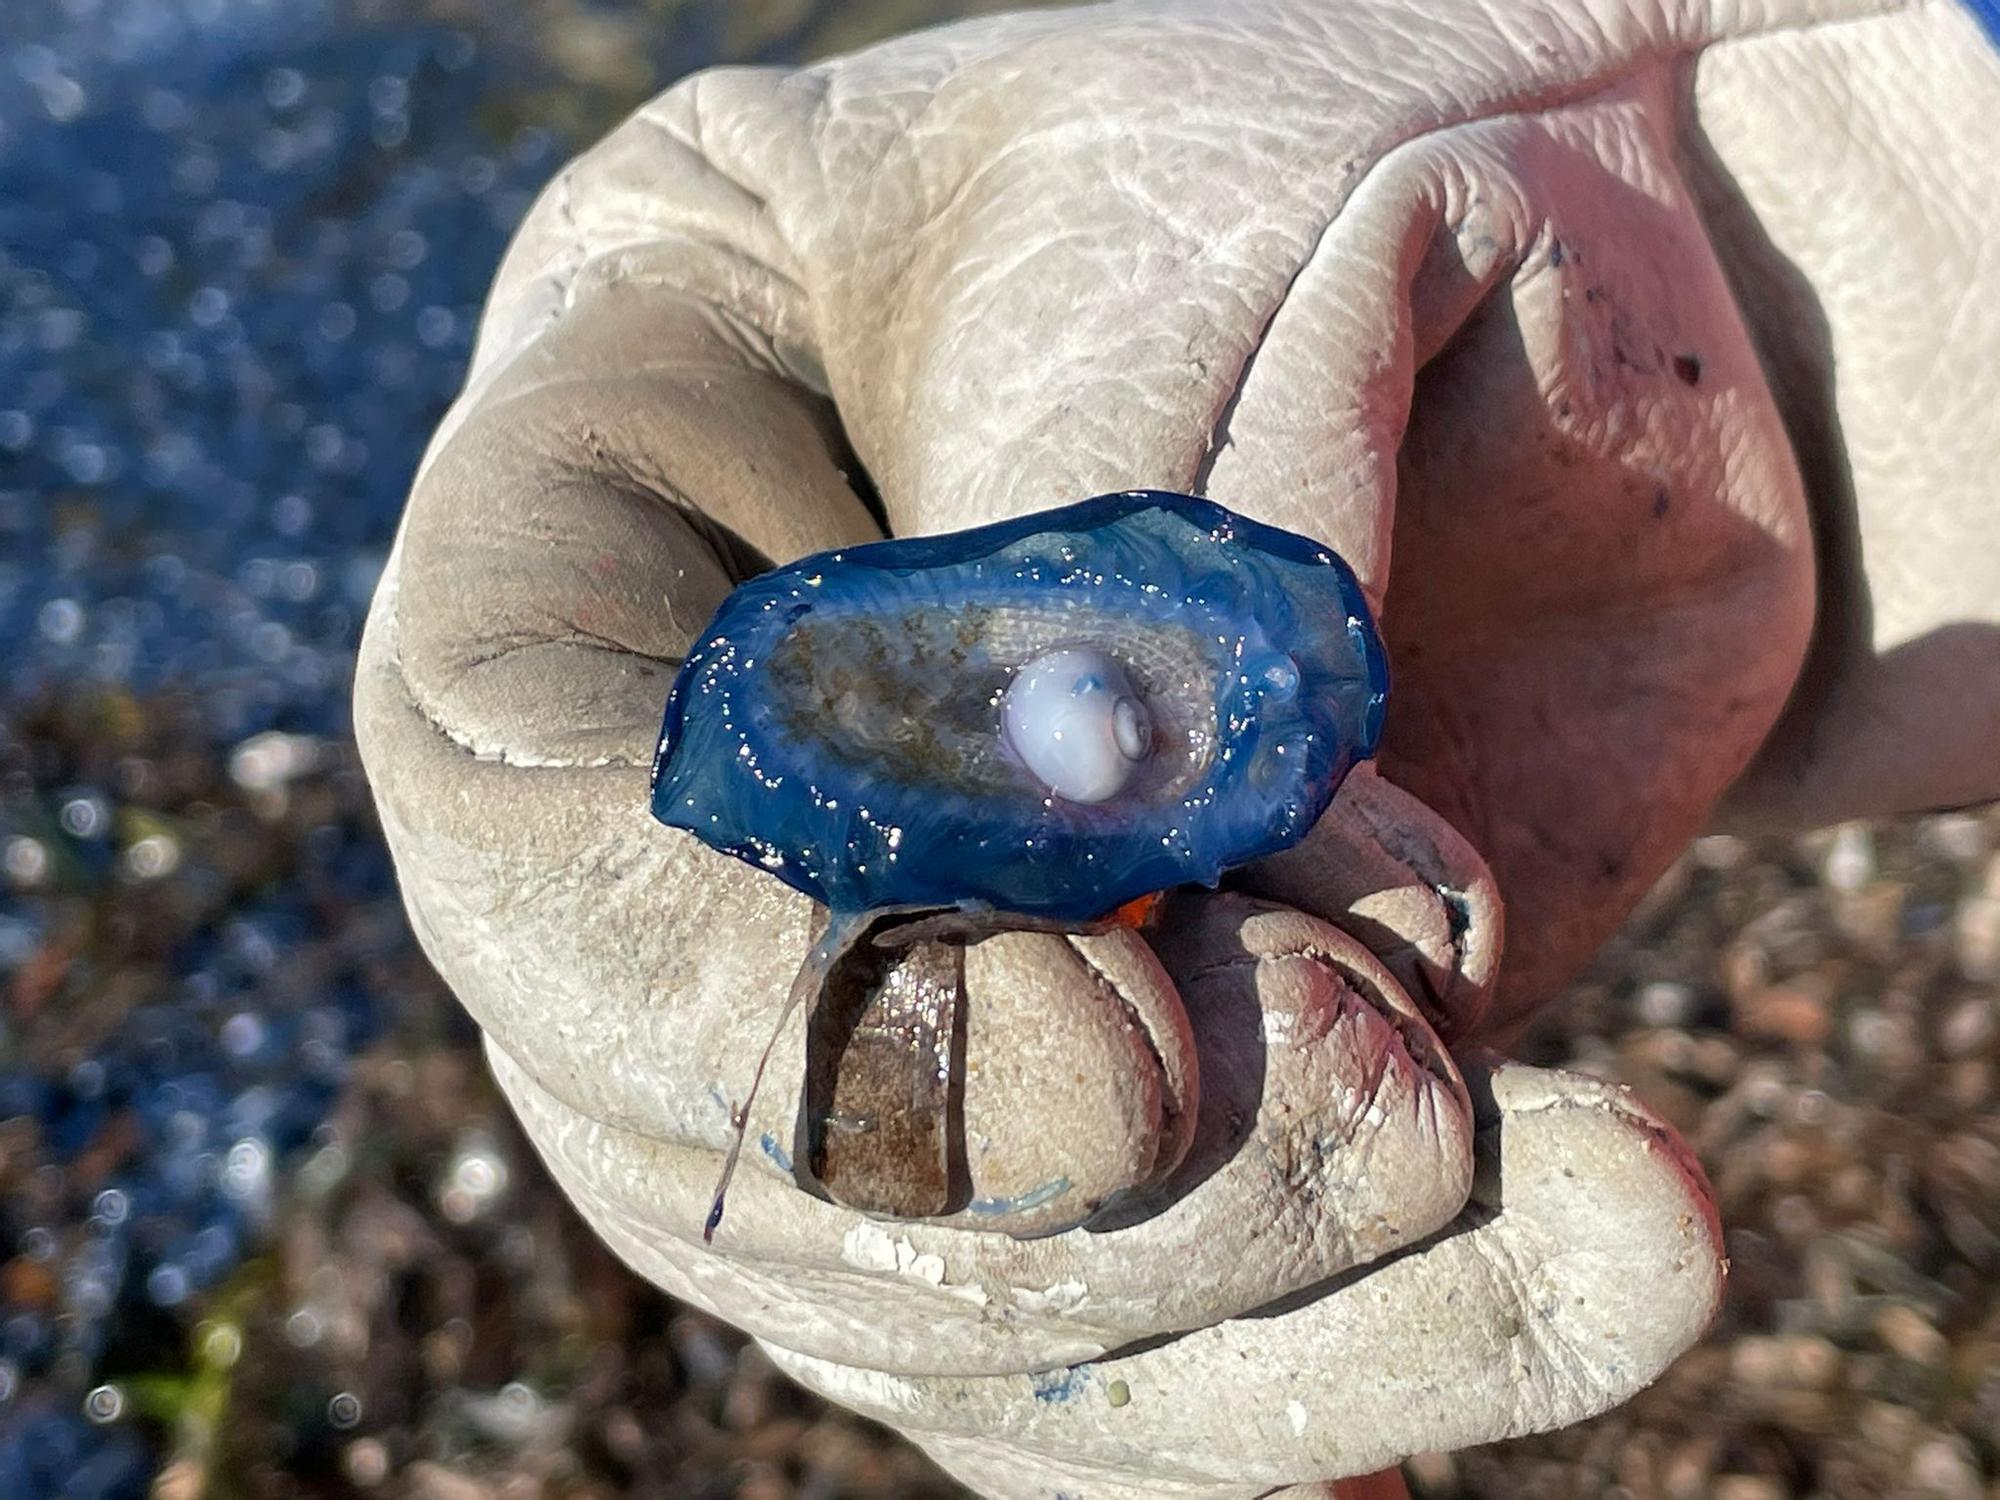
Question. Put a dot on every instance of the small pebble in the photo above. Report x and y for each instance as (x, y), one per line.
(1968, 1027)
(1976, 938)
(1945, 1469)
(1749, 1487)
(1850, 859)
(1664, 1003)
(365, 1462)
(1798, 1361)
(1906, 1332)
(1798, 1013)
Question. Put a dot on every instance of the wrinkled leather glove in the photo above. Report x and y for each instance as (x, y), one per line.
(1475, 293)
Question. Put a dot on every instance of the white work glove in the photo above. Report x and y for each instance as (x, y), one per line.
(1251, 1204)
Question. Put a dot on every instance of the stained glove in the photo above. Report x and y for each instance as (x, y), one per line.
(1531, 312)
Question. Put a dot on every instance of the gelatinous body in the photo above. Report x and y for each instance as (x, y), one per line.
(1049, 716)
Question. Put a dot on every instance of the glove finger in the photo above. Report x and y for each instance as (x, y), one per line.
(1590, 1259)
(1381, 865)
(1332, 1130)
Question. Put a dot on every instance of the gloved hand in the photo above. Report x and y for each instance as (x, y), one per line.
(1431, 272)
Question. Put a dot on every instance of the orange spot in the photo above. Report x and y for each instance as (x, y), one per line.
(1139, 910)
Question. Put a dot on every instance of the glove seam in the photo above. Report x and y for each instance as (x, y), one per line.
(465, 743)
(759, 201)
(510, 758)
(1424, 1052)
(1170, 1109)
(1423, 1049)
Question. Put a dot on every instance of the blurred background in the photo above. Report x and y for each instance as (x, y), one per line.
(265, 1230)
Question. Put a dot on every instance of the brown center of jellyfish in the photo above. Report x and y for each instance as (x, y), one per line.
(915, 698)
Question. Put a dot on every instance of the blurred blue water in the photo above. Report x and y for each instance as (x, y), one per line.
(242, 248)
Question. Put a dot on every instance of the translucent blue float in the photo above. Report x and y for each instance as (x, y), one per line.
(1049, 716)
